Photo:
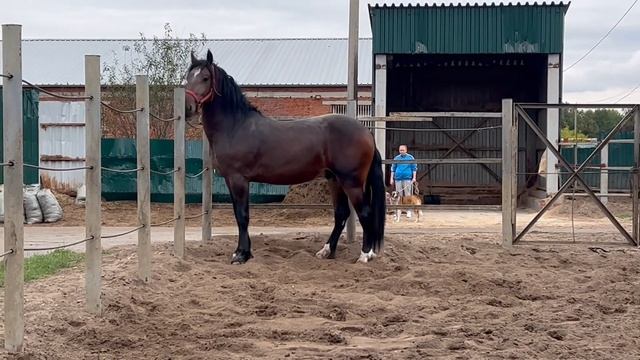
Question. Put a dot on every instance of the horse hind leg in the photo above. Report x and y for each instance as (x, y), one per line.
(341, 214)
(363, 209)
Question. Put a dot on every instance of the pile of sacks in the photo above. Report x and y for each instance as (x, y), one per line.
(40, 205)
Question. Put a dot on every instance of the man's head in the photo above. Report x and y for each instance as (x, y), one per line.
(402, 149)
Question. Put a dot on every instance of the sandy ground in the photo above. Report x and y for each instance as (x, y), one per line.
(443, 288)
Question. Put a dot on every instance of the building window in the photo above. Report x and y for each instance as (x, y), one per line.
(363, 110)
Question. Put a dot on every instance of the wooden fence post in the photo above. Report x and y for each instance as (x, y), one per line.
(179, 175)
(13, 181)
(93, 213)
(144, 177)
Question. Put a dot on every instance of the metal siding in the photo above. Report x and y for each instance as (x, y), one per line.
(263, 62)
(63, 146)
(450, 174)
(62, 180)
(619, 155)
(475, 29)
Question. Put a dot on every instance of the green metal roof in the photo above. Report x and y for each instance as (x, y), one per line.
(468, 29)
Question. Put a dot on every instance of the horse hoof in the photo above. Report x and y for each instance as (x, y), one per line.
(366, 257)
(324, 252)
(240, 257)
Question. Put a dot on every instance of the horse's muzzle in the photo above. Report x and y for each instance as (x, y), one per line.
(198, 101)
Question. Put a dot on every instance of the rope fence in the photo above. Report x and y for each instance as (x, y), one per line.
(6, 253)
(57, 169)
(156, 117)
(120, 110)
(196, 216)
(14, 237)
(60, 246)
(68, 97)
(198, 174)
(122, 233)
(123, 170)
(173, 171)
(197, 126)
(165, 222)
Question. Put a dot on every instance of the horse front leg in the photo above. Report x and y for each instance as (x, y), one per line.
(239, 190)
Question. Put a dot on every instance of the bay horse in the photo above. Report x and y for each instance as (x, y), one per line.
(249, 146)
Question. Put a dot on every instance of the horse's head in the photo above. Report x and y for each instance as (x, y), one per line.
(200, 85)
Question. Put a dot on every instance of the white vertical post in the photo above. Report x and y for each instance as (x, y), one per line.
(207, 185)
(352, 92)
(636, 175)
(144, 177)
(13, 175)
(380, 94)
(508, 221)
(604, 174)
(553, 120)
(93, 183)
(179, 175)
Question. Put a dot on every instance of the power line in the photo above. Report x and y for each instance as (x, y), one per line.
(628, 94)
(610, 97)
(602, 39)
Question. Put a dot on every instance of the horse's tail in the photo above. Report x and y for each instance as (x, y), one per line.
(375, 194)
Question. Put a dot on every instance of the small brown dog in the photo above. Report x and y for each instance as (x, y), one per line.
(414, 200)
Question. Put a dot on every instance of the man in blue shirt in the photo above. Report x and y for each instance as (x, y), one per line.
(403, 175)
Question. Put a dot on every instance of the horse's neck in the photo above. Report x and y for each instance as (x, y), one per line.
(225, 126)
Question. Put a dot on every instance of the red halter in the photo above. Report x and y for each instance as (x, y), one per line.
(201, 100)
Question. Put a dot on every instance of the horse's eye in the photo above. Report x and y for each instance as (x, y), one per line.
(205, 79)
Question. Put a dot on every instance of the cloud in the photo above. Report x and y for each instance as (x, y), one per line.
(611, 68)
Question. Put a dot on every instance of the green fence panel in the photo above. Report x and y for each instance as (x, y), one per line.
(121, 154)
(30, 104)
(619, 155)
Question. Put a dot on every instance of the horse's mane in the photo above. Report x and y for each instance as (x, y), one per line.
(227, 92)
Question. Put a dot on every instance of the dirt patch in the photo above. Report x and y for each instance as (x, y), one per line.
(124, 213)
(588, 208)
(453, 295)
(312, 192)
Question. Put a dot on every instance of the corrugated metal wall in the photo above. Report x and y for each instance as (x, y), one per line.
(435, 144)
(30, 103)
(619, 155)
(62, 143)
(458, 29)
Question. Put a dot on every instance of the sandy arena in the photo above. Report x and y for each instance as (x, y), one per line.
(443, 288)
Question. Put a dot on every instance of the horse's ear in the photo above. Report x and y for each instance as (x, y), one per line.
(193, 58)
(209, 57)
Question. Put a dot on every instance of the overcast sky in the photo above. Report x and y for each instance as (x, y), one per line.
(609, 73)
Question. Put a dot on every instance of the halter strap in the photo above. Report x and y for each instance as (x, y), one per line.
(201, 100)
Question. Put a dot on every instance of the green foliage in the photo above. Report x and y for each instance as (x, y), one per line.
(591, 123)
(41, 266)
(569, 135)
(165, 61)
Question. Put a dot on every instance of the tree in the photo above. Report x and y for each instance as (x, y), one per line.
(164, 60)
(592, 123)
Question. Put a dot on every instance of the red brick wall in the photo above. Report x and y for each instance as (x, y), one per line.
(288, 107)
(276, 102)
